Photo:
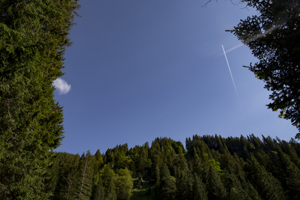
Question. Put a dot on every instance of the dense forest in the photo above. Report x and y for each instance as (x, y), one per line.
(34, 37)
(208, 167)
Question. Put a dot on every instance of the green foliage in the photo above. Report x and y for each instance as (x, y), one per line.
(34, 35)
(124, 184)
(216, 166)
(273, 37)
(98, 191)
(199, 191)
(86, 175)
(166, 188)
(241, 168)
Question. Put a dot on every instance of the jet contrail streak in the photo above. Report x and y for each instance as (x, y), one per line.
(232, 77)
(233, 48)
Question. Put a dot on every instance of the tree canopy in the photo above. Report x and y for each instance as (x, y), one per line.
(273, 37)
(212, 168)
(34, 36)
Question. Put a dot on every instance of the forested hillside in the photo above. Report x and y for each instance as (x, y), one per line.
(210, 167)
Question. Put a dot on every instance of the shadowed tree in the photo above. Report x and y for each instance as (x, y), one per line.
(273, 37)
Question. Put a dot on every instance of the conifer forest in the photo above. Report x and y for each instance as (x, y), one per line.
(208, 167)
(34, 35)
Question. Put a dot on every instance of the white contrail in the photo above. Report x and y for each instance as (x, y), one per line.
(233, 48)
(232, 77)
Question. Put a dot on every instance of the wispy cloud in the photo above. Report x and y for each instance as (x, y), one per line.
(62, 86)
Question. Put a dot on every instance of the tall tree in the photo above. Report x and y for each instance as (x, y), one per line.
(273, 37)
(266, 184)
(124, 184)
(98, 191)
(34, 35)
(86, 171)
(199, 191)
(166, 188)
(111, 191)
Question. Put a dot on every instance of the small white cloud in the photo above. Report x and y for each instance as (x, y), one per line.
(62, 86)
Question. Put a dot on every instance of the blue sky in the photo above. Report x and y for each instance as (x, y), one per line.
(141, 69)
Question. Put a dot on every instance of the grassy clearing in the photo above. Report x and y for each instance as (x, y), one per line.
(145, 193)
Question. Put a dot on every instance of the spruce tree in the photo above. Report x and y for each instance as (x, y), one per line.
(111, 191)
(98, 191)
(86, 171)
(273, 37)
(34, 35)
(265, 183)
(199, 190)
(166, 189)
(124, 184)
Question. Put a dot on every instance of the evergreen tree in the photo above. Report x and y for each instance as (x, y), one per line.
(86, 167)
(264, 182)
(111, 191)
(273, 37)
(69, 180)
(290, 175)
(199, 191)
(124, 184)
(97, 165)
(214, 185)
(34, 35)
(54, 174)
(184, 184)
(98, 191)
(166, 189)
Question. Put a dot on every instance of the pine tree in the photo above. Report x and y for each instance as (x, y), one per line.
(264, 182)
(54, 174)
(184, 184)
(34, 35)
(111, 191)
(290, 177)
(214, 185)
(69, 180)
(166, 189)
(124, 184)
(199, 191)
(98, 191)
(86, 171)
(273, 37)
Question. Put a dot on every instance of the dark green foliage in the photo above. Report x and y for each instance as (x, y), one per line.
(67, 187)
(265, 183)
(34, 35)
(166, 189)
(86, 175)
(198, 190)
(273, 37)
(98, 191)
(111, 191)
(244, 168)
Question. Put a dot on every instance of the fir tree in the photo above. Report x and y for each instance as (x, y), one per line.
(167, 186)
(34, 35)
(98, 191)
(199, 191)
(86, 172)
(124, 184)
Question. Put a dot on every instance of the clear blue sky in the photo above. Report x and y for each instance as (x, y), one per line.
(141, 69)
